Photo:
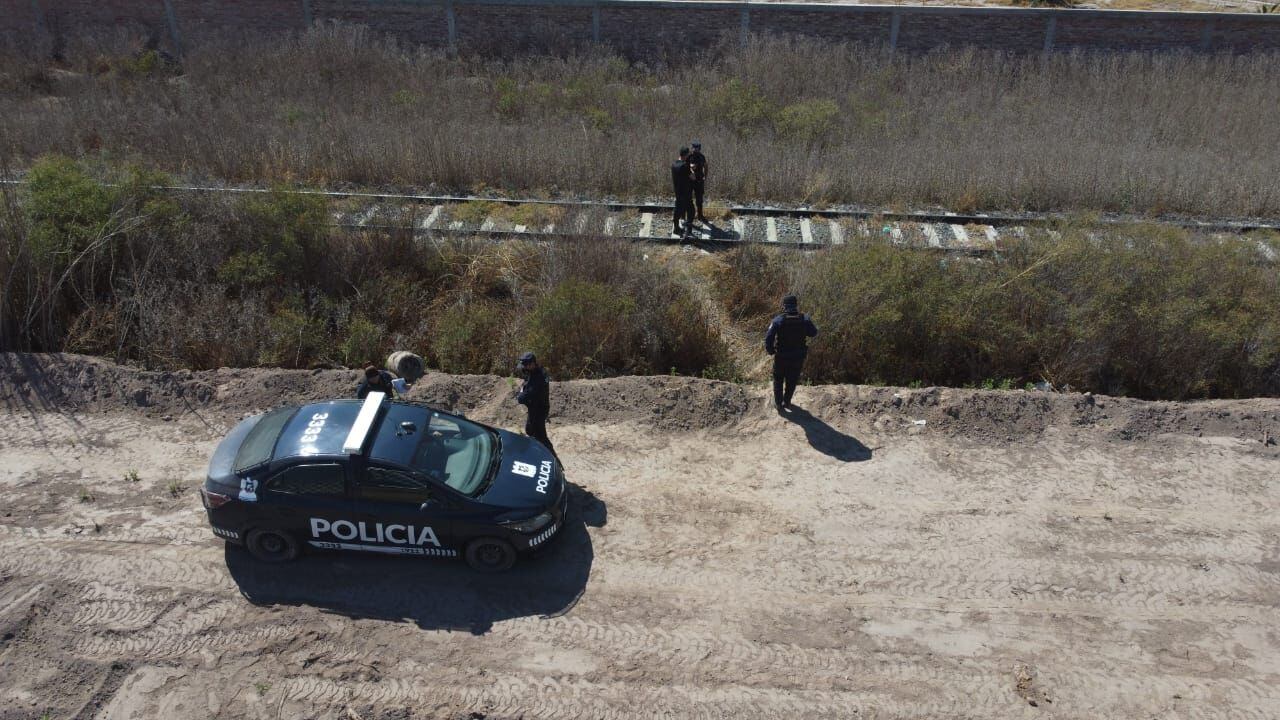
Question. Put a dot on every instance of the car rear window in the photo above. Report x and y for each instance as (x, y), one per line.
(261, 440)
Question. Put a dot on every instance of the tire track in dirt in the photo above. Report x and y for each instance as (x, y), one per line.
(174, 632)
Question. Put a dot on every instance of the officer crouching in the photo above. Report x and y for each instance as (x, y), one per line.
(786, 342)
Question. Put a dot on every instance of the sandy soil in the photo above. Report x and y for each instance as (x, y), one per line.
(1019, 555)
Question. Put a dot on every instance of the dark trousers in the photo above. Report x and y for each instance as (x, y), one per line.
(698, 187)
(535, 426)
(786, 373)
(684, 209)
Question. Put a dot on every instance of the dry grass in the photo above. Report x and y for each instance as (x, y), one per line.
(781, 121)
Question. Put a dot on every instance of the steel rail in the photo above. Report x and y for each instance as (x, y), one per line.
(992, 219)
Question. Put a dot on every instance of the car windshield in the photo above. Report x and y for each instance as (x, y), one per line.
(456, 452)
(261, 441)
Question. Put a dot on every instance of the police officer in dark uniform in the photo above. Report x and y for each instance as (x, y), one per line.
(375, 380)
(682, 183)
(535, 395)
(698, 162)
(785, 341)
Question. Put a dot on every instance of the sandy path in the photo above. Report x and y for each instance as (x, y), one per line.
(840, 567)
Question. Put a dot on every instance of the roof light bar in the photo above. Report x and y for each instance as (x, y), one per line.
(364, 423)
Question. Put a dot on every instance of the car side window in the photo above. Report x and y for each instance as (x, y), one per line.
(391, 485)
(310, 480)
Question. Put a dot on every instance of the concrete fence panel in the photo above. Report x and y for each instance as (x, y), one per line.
(646, 27)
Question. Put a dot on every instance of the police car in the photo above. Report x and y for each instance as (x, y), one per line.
(386, 477)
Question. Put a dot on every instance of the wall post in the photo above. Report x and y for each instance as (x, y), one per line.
(452, 25)
(895, 23)
(744, 32)
(1206, 36)
(595, 23)
(1050, 28)
(38, 15)
(306, 15)
(172, 19)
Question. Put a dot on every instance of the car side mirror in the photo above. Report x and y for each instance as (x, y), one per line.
(407, 428)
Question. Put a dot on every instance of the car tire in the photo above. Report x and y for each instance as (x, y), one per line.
(490, 555)
(271, 546)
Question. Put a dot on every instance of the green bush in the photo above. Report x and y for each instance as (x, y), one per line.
(741, 106)
(584, 328)
(248, 269)
(66, 209)
(286, 231)
(808, 122)
(365, 342)
(296, 338)
(469, 338)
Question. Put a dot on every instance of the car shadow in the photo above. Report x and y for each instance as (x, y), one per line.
(826, 439)
(434, 594)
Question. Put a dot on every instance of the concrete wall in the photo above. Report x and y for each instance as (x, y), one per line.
(640, 27)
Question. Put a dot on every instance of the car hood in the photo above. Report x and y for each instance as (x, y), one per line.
(528, 475)
(222, 465)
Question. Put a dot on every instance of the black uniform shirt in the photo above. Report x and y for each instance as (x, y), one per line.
(535, 394)
(699, 163)
(786, 335)
(681, 179)
(365, 388)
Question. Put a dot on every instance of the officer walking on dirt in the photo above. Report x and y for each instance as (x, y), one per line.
(682, 184)
(785, 341)
(698, 162)
(535, 395)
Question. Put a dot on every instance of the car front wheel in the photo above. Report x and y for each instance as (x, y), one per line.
(490, 555)
(272, 546)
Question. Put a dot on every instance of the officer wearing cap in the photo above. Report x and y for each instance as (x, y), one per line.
(535, 395)
(786, 342)
(698, 163)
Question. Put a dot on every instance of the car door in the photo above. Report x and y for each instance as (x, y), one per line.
(309, 500)
(403, 512)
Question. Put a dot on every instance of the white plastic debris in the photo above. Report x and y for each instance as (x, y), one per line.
(919, 422)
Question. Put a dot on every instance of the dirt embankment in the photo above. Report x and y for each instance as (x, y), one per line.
(876, 553)
(64, 382)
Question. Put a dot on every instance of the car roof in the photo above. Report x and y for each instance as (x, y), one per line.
(334, 419)
(317, 429)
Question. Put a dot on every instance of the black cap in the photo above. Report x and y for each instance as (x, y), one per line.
(696, 145)
(684, 151)
(527, 358)
(790, 302)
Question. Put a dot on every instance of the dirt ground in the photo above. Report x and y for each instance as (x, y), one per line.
(1017, 555)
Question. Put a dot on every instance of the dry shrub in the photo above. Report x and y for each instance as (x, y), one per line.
(781, 120)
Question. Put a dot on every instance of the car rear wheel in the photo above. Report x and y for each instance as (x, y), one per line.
(490, 555)
(272, 546)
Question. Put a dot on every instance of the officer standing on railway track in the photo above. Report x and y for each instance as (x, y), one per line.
(682, 184)
(785, 341)
(698, 163)
(535, 395)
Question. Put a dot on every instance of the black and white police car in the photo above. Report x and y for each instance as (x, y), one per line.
(383, 476)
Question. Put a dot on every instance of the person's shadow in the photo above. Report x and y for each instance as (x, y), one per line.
(826, 439)
(434, 594)
(712, 231)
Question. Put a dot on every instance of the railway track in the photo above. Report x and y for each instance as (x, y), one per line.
(800, 227)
